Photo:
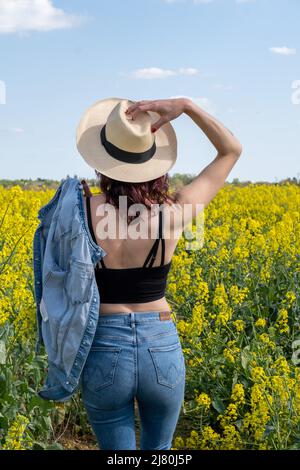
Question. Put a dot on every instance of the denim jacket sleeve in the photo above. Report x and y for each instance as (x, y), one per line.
(39, 242)
(66, 294)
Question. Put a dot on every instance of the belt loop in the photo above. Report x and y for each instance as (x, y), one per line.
(131, 318)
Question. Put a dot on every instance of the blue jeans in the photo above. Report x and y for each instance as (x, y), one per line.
(134, 356)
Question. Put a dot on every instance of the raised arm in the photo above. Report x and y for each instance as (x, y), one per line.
(207, 183)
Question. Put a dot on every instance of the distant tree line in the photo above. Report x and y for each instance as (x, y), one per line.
(176, 181)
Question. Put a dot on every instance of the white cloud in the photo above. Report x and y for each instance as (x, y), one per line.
(152, 72)
(220, 86)
(17, 130)
(14, 130)
(156, 72)
(188, 71)
(203, 102)
(283, 50)
(19, 16)
(206, 104)
(2, 92)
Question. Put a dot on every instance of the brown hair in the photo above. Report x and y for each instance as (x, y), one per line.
(155, 191)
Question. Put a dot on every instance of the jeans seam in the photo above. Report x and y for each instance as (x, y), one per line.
(146, 338)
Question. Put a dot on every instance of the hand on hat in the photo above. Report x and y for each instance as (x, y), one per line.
(168, 109)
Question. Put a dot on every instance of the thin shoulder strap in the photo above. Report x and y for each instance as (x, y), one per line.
(88, 205)
(153, 251)
(162, 241)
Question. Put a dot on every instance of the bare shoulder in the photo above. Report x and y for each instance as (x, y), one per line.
(173, 224)
(99, 198)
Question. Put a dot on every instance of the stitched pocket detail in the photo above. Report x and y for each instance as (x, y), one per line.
(169, 364)
(100, 368)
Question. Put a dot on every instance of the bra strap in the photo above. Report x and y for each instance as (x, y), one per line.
(161, 238)
(153, 252)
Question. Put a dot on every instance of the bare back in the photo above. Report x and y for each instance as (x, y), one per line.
(129, 252)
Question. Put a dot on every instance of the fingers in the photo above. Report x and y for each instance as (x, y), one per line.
(136, 108)
(133, 106)
(156, 125)
(145, 105)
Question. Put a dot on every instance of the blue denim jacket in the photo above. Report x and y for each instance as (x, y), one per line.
(66, 293)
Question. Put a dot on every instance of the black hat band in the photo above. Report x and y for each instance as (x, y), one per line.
(123, 155)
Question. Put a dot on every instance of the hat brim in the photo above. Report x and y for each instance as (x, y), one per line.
(94, 153)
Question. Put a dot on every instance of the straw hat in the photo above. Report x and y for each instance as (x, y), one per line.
(122, 148)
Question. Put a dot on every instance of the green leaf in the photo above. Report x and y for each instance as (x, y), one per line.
(38, 446)
(218, 405)
(55, 446)
(47, 423)
(2, 384)
(239, 424)
(2, 352)
(245, 357)
(295, 446)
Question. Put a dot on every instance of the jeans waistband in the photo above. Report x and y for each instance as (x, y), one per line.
(134, 317)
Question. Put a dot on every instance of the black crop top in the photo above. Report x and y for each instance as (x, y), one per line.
(132, 285)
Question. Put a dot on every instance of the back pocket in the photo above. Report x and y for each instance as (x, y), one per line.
(169, 364)
(100, 368)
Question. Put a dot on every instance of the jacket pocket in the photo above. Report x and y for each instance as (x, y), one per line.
(169, 364)
(54, 300)
(54, 309)
(100, 368)
(79, 279)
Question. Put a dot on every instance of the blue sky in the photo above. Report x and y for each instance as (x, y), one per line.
(237, 59)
